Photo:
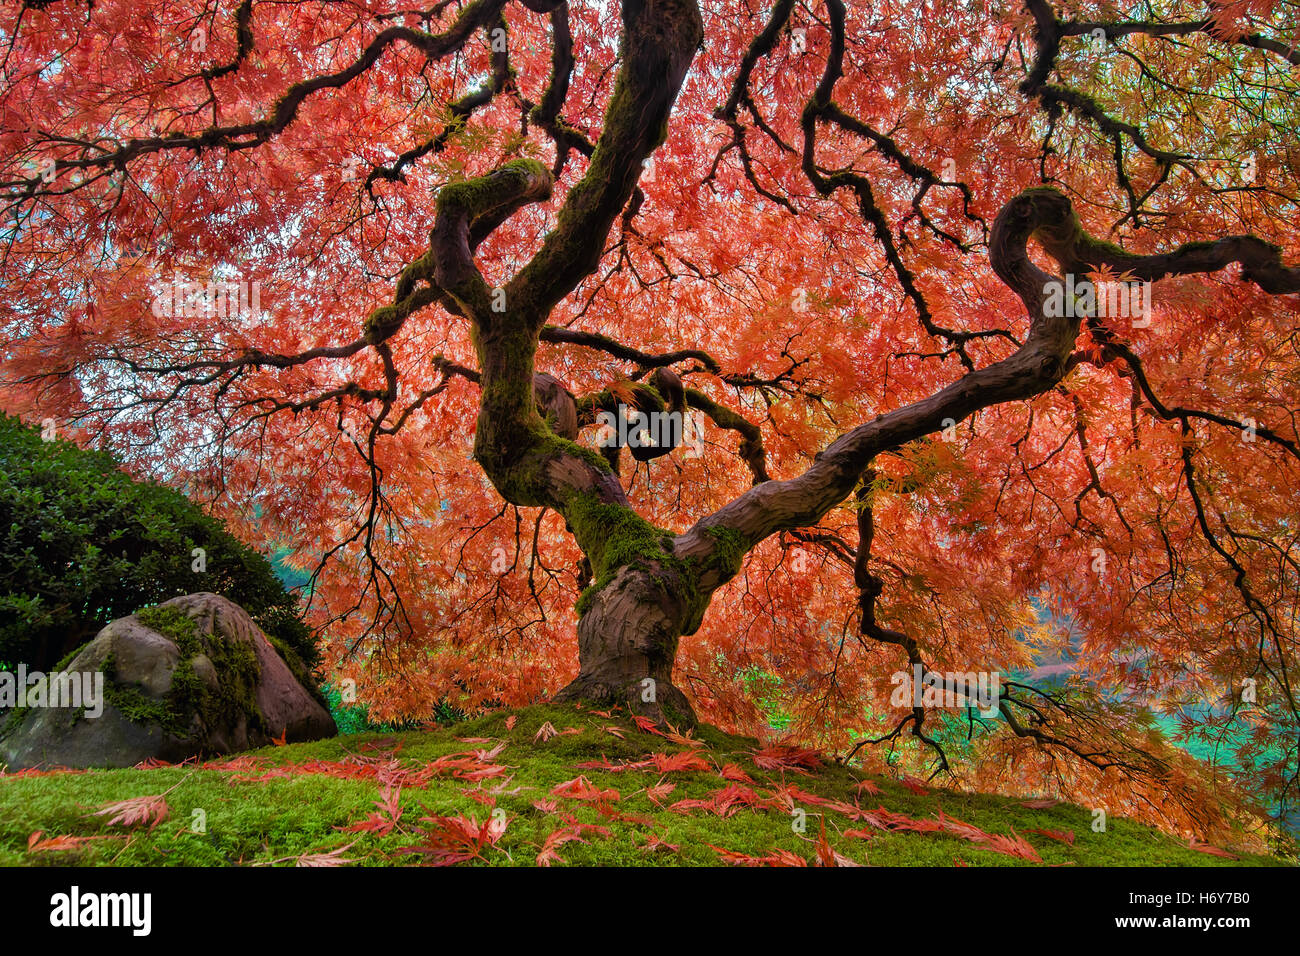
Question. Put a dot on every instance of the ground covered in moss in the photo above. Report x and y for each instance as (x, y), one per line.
(557, 785)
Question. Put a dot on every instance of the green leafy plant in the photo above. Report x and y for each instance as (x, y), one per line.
(83, 543)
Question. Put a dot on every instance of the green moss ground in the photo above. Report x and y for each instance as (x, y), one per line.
(278, 819)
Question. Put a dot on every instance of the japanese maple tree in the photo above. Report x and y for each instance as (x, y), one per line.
(980, 317)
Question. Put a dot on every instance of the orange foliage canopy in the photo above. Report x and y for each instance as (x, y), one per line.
(808, 248)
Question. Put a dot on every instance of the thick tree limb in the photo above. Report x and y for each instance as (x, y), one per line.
(1046, 215)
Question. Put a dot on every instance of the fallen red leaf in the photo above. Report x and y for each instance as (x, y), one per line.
(659, 791)
(678, 762)
(129, 813)
(580, 788)
(1199, 847)
(653, 843)
(775, 858)
(786, 757)
(1014, 845)
(916, 786)
(332, 858)
(555, 840)
(732, 771)
(383, 821)
(648, 725)
(65, 842)
(1045, 803)
(547, 731)
(452, 840)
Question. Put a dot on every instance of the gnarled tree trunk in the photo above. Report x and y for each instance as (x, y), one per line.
(652, 586)
(644, 598)
(627, 643)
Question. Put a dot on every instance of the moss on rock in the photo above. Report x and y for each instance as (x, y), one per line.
(237, 670)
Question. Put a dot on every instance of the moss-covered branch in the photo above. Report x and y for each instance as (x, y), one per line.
(659, 41)
(1043, 214)
(467, 212)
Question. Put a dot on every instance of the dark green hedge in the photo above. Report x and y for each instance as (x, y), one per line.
(82, 543)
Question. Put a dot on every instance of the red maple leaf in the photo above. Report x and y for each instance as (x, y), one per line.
(648, 725)
(653, 843)
(452, 840)
(775, 858)
(152, 810)
(555, 840)
(1199, 847)
(732, 771)
(382, 822)
(580, 788)
(65, 842)
(659, 791)
(1044, 803)
(787, 757)
(827, 855)
(330, 858)
(916, 786)
(1014, 845)
(730, 798)
(678, 762)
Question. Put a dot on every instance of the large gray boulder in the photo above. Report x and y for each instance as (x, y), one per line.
(194, 676)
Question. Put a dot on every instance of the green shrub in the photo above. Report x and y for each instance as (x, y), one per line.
(355, 718)
(82, 543)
